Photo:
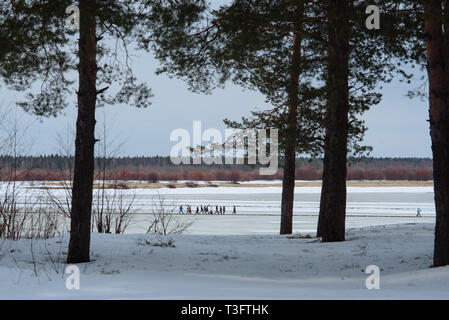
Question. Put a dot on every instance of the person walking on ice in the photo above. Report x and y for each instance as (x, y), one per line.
(234, 211)
(181, 209)
(418, 212)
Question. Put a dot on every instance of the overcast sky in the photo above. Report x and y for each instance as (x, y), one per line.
(398, 127)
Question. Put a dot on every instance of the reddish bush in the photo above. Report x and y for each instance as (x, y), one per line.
(356, 174)
(208, 176)
(398, 173)
(196, 175)
(123, 174)
(374, 174)
(170, 176)
(153, 176)
(235, 176)
(307, 173)
(423, 174)
(279, 175)
(247, 176)
(220, 175)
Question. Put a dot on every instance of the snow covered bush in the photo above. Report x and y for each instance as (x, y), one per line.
(24, 215)
(165, 221)
(112, 211)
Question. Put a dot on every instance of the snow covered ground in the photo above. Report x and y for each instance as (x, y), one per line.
(230, 267)
(242, 256)
(264, 224)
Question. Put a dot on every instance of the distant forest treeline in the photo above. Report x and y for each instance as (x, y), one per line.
(154, 169)
(57, 162)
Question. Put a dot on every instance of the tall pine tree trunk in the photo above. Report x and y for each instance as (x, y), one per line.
(288, 180)
(438, 72)
(85, 140)
(331, 222)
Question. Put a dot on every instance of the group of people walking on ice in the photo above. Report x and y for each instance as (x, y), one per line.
(205, 209)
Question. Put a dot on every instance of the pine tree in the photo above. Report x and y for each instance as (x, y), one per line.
(277, 48)
(256, 45)
(423, 34)
(436, 24)
(47, 56)
(331, 223)
(359, 60)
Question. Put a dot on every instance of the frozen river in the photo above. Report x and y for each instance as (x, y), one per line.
(259, 212)
(258, 208)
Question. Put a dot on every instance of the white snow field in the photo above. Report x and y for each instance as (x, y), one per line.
(230, 267)
(242, 256)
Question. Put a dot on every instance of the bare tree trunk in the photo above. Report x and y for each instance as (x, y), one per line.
(288, 180)
(331, 222)
(438, 72)
(84, 145)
